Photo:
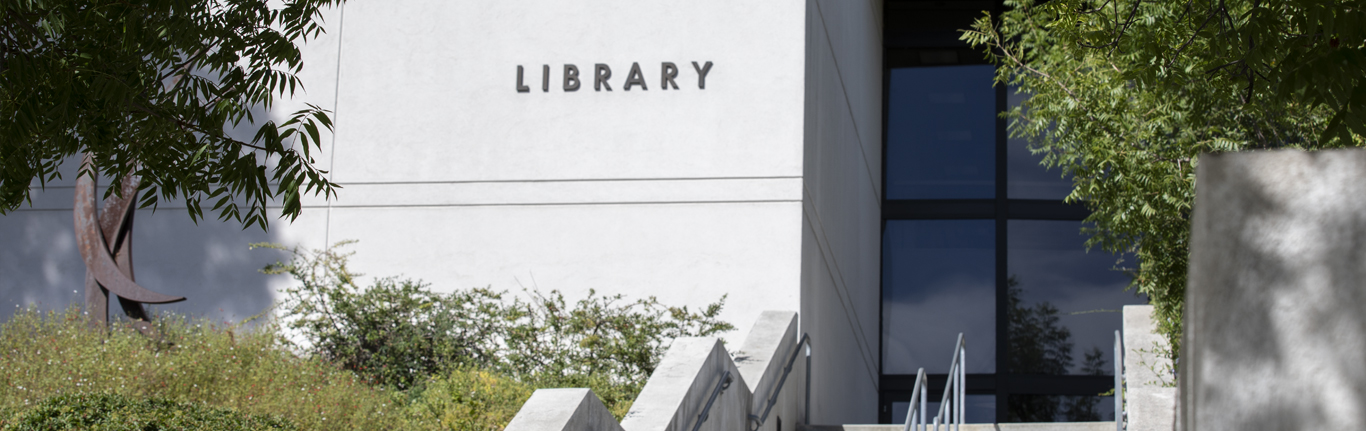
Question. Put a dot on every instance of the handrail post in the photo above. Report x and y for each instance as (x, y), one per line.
(962, 385)
(923, 387)
(917, 394)
(806, 409)
(1119, 382)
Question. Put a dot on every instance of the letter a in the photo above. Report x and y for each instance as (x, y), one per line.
(635, 78)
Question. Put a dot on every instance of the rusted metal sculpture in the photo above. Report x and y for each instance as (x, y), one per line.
(106, 243)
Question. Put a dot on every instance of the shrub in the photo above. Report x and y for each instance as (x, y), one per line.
(398, 332)
(47, 354)
(109, 412)
(469, 399)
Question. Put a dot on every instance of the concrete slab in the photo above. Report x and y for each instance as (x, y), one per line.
(1275, 337)
(1150, 395)
(1044, 426)
(575, 409)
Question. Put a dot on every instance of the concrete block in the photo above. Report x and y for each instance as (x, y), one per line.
(679, 389)
(1150, 397)
(1275, 334)
(761, 361)
(574, 409)
(1043, 426)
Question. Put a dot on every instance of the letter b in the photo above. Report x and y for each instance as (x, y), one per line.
(571, 77)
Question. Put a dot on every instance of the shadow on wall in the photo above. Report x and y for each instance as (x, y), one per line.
(1276, 300)
(209, 263)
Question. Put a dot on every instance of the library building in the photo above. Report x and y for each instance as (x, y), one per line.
(844, 160)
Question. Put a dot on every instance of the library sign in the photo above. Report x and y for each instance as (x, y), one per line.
(572, 80)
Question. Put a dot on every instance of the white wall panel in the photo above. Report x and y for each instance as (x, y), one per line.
(427, 90)
(684, 254)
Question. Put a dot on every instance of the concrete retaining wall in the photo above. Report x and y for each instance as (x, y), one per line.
(1149, 386)
(685, 380)
(1275, 333)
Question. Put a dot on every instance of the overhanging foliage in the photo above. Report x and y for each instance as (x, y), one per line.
(150, 88)
(1126, 94)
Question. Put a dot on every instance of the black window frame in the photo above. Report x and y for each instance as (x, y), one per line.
(907, 46)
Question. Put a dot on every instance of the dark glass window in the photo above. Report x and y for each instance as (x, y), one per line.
(939, 279)
(1064, 303)
(977, 240)
(941, 124)
(1060, 408)
(981, 409)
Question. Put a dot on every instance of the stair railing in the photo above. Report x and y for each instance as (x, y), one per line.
(805, 343)
(1119, 382)
(917, 397)
(954, 398)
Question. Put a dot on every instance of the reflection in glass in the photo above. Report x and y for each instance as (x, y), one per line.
(938, 279)
(1027, 178)
(941, 133)
(1059, 408)
(981, 410)
(1063, 303)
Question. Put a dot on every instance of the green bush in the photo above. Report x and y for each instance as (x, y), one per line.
(469, 399)
(48, 354)
(395, 332)
(109, 412)
(398, 332)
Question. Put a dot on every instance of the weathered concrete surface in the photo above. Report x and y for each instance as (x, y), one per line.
(684, 380)
(1048, 426)
(1149, 396)
(761, 360)
(1275, 328)
(564, 409)
(680, 386)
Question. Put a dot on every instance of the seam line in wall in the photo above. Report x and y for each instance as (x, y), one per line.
(563, 180)
(872, 7)
(336, 107)
(530, 204)
(570, 180)
(841, 287)
(839, 76)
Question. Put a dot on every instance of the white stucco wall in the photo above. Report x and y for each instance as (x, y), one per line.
(841, 215)
(452, 176)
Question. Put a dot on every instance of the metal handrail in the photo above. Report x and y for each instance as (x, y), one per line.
(773, 397)
(917, 395)
(721, 385)
(953, 389)
(954, 397)
(1119, 382)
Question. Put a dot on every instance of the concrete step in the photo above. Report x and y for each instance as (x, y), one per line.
(1038, 426)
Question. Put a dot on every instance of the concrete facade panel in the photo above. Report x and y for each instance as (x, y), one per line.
(409, 115)
(841, 211)
(684, 254)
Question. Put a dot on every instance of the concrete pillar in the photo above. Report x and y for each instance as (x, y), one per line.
(1275, 318)
(1150, 387)
(576, 409)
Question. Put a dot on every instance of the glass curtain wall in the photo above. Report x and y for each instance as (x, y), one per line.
(977, 240)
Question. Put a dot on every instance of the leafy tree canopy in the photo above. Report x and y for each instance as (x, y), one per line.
(149, 88)
(1126, 94)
